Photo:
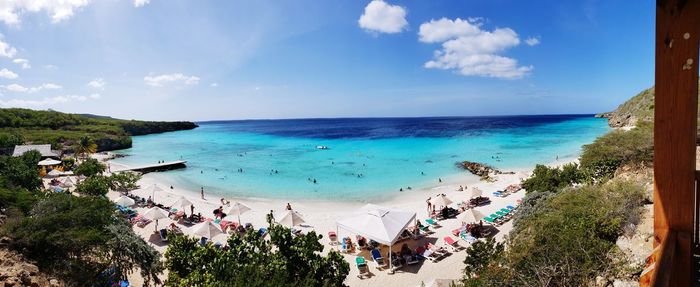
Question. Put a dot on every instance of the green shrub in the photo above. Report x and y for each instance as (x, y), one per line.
(565, 239)
(552, 179)
(124, 181)
(90, 167)
(9, 140)
(283, 260)
(607, 153)
(22, 171)
(77, 238)
(96, 185)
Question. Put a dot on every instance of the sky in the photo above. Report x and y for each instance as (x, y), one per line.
(216, 60)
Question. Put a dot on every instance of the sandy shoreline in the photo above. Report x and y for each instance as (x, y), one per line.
(322, 215)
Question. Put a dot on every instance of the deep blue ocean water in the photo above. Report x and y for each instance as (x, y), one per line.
(367, 158)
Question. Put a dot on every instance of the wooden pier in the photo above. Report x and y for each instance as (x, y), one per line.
(156, 167)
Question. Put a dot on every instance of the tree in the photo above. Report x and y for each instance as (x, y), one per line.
(90, 167)
(124, 181)
(78, 238)
(250, 260)
(552, 179)
(21, 172)
(95, 185)
(85, 146)
(9, 140)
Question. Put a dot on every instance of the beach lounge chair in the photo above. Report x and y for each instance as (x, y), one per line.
(488, 219)
(378, 259)
(432, 222)
(511, 207)
(426, 254)
(452, 244)
(362, 267)
(346, 245)
(163, 235)
(332, 238)
(262, 231)
(437, 250)
(498, 194)
(467, 237)
(203, 241)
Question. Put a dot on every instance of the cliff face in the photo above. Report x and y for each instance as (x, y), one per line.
(638, 108)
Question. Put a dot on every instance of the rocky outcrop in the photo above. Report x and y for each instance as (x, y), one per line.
(640, 107)
(15, 270)
(484, 171)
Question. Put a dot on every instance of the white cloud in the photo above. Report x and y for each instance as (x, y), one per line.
(140, 3)
(384, 18)
(214, 84)
(22, 89)
(5, 49)
(45, 101)
(98, 83)
(22, 62)
(444, 29)
(58, 10)
(532, 41)
(95, 96)
(7, 74)
(470, 50)
(51, 67)
(160, 80)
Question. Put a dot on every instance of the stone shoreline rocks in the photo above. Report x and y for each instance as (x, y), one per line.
(484, 171)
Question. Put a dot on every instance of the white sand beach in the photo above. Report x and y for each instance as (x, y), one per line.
(321, 217)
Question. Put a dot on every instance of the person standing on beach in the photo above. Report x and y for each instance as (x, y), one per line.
(429, 204)
(202, 191)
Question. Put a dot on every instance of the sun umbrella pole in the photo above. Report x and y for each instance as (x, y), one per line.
(391, 253)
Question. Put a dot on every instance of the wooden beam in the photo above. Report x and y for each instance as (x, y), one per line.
(675, 125)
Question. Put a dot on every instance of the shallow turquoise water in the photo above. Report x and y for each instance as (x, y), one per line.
(215, 151)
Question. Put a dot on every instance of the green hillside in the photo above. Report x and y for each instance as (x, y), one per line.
(62, 130)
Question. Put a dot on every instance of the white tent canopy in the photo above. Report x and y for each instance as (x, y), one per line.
(155, 213)
(49, 161)
(378, 223)
(182, 203)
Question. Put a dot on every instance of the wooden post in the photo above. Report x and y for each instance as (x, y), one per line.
(675, 128)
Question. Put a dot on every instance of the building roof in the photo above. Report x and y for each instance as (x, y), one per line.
(44, 149)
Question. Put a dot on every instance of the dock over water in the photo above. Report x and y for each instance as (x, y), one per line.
(156, 167)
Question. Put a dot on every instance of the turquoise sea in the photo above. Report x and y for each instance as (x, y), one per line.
(366, 158)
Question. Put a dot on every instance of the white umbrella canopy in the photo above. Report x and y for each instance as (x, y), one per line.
(471, 216)
(378, 223)
(49, 161)
(206, 229)
(441, 200)
(155, 213)
(148, 191)
(182, 203)
(125, 201)
(476, 192)
(291, 218)
(68, 182)
(53, 173)
(237, 209)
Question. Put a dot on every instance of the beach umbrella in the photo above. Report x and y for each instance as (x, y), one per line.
(125, 201)
(471, 216)
(441, 200)
(237, 209)
(49, 161)
(149, 190)
(476, 192)
(206, 229)
(182, 203)
(155, 213)
(291, 218)
(68, 182)
(53, 173)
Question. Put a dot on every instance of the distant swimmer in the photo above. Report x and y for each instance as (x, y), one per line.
(422, 173)
(314, 181)
(439, 179)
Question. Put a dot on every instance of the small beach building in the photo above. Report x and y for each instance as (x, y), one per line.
(44, 149)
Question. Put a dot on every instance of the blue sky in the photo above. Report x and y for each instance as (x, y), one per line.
(206, 59)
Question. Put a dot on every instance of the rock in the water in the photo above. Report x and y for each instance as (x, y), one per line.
(481, 170)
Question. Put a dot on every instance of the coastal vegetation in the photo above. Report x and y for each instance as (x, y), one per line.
(251, 260)
(78, 239)
(66, 131)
